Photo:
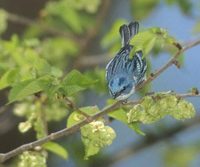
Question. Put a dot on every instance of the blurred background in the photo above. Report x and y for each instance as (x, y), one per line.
(83, 34)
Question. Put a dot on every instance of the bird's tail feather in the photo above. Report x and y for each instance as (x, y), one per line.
(128, 31)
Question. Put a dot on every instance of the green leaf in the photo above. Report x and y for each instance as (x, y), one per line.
(75, 82)
(72, 89)
(90, 6)
(66, 13)
(121, 115)
(3, 20)
(156, 107)
(56, 149)
(26, 88)
(98, 74)
(8, 78)
(56, 72)
(96, 136)
(76, 117)
(41, 65)
(148, 39)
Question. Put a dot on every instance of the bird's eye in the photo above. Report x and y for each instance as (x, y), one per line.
(121, 81)
(123, 89)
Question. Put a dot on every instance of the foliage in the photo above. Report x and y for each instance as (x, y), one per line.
(154, 108)
(32, 159)
(179, 155)
(96, 136)
(56, 148)
(37, 72)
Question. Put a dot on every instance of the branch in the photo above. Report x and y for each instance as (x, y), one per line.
(76, 128)
(93, 32)
(84, 42)
(73, 106)
(170, 62)
(46, 28)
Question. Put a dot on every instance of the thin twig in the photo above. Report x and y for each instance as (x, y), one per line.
(92, 32)
(76, 128)
(84, 42)
(46, 28)
(169, 63)
(73, 106)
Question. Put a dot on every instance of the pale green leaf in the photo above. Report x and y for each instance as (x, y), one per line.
(156, 107)
(26, 88)
(96, 136)
(56, 149)
(75, 82)
(121, 115)
(56, 72)
(41, 65)
(76, 117)
(148, 39)
(8, 78)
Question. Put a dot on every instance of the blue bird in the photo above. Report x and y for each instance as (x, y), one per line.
(124, 72)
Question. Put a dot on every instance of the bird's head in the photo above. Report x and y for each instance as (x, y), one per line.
(121, 87)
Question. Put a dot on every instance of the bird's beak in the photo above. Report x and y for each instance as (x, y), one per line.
(116, 95)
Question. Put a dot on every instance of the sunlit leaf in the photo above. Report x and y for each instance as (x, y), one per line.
(26, 88)
(96, 136)
(68, 14)
(75, 82)
(156, 107)
(76, 117)
(9, 77)
(121, 115)
(149, 38)
(56, 149)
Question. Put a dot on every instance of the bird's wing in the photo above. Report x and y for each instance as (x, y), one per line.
(139, 67)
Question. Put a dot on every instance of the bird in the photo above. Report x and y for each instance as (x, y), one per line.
(124, 72)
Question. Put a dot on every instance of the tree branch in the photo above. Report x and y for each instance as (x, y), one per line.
(76, 128)
(84, 42)
(46, 28)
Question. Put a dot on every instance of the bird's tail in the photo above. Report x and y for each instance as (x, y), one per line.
(128, 31)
